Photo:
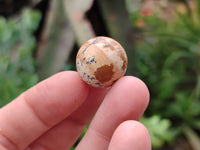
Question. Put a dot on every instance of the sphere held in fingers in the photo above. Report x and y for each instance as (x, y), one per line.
(101, 61)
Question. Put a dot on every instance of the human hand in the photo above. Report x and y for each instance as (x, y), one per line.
(52, 115)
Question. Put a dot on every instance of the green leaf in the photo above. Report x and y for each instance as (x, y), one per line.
(159, 130)
(30, 19)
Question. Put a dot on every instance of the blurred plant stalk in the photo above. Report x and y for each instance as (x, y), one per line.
(65, 22)
(56, 41)
(192, 137)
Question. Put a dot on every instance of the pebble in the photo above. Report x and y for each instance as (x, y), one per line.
(101, 61)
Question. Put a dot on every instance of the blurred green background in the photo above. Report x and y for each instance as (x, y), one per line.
(39, 38)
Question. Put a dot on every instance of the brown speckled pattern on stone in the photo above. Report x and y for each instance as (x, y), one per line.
(101, 61)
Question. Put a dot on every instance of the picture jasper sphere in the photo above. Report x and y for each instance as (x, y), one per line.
(101, 61)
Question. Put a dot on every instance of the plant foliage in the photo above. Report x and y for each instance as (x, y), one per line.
(168, 60)
(159, 130)
(17, 68)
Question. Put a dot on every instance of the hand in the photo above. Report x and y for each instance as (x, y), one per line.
(52, 115)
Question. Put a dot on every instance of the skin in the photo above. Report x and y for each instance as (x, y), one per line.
(52, 115)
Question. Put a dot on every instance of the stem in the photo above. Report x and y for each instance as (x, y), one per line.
(192, 137)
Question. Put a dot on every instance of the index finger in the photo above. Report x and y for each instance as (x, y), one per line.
(40, 108)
